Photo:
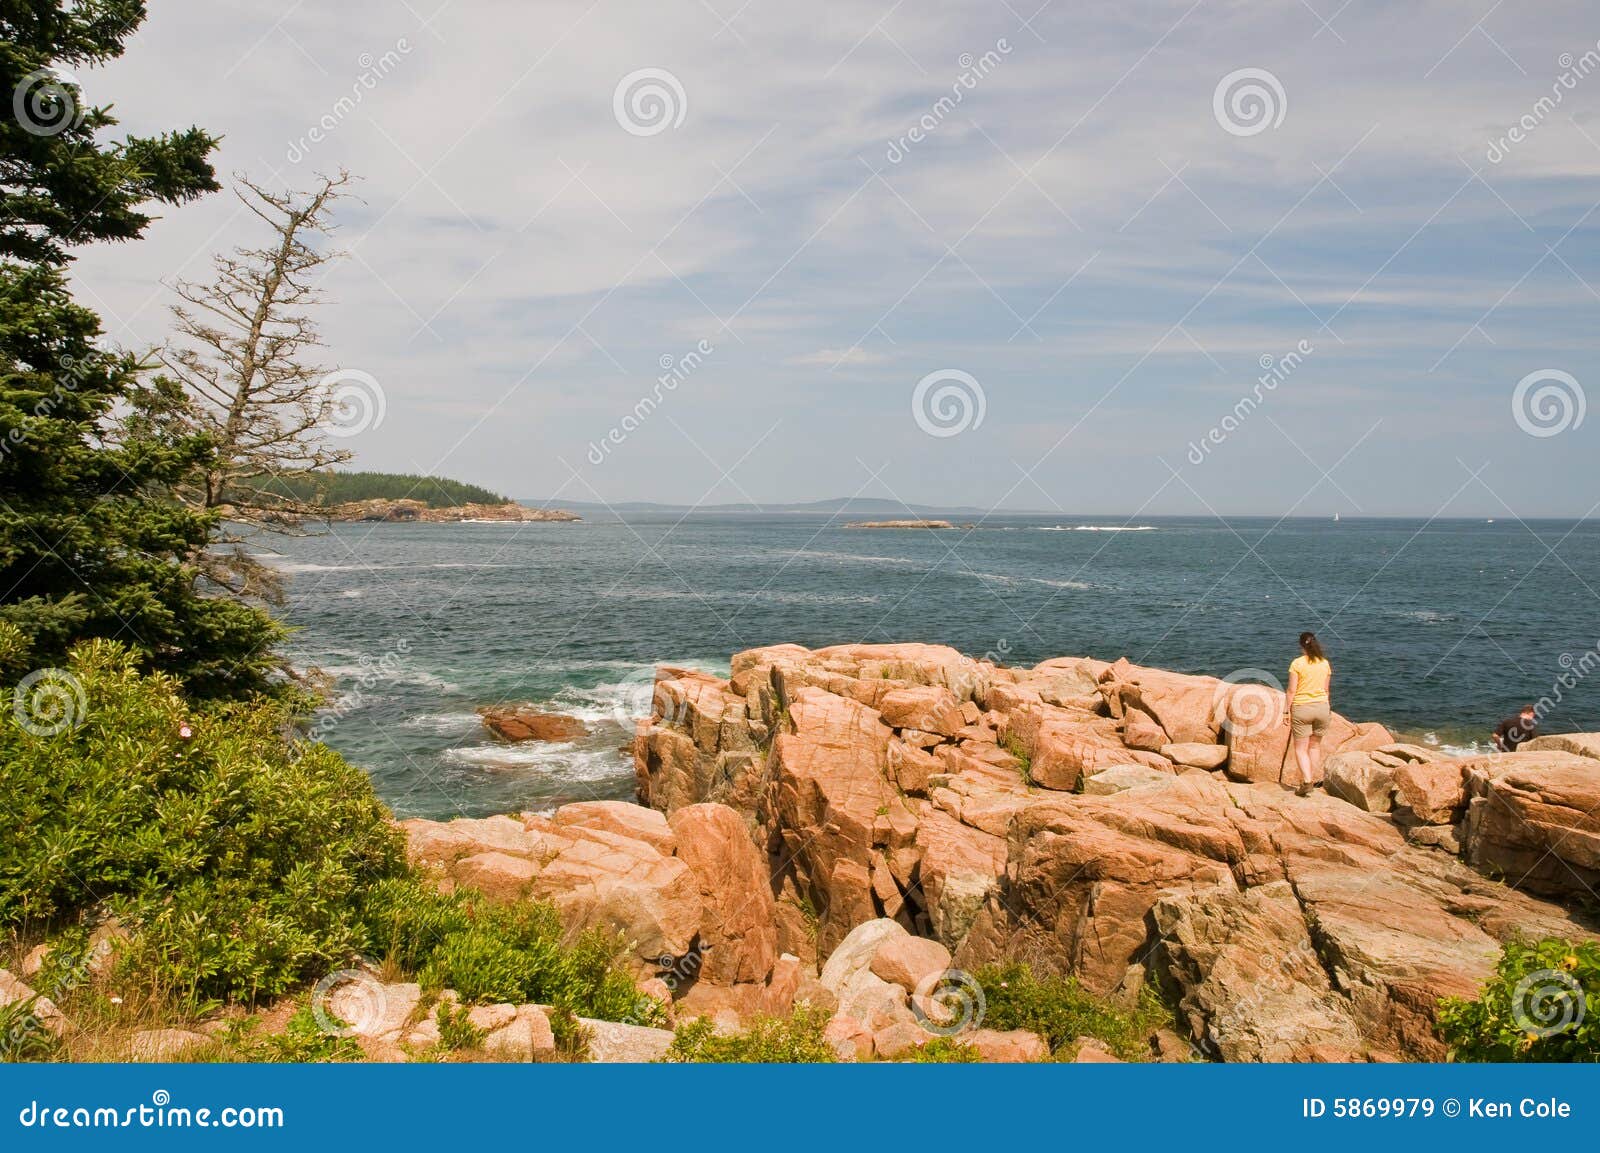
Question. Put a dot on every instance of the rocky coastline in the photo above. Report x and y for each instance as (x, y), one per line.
(408, 511)
(851, 827)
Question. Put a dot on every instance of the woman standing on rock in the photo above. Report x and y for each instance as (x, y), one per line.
(1310, 676)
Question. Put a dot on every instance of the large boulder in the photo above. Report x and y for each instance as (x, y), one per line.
(1195, 755)
(600, 879)
(928, 708)
(830, 776)
(526, 723)
(1534, 818)
(593, 875)
(1578, 744)
(959, 867)
(1429, 794)
(862, 995)
(1063, 748)
(738, 928)
(44, 1015)
(1185, 707)
(621, 818)
(1253, 987)
(1084, 873)
(612, 1042)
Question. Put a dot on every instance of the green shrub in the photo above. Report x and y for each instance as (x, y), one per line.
(572, 1035)
(304, 1040)
(406, 919)
(23, 1036)
(793, 1039)
(1061, 1010)
(490, 953)
(1542, 1004)
(235, 855)
(245, 863)
(456, 1030)
(485, 968)
(945, 1051)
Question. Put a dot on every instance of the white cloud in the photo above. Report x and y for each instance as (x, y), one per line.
(524, 261)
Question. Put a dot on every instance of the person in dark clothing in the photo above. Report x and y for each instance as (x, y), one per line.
(1515, 731)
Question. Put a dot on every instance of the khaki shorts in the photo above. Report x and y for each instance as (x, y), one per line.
(1309, 719)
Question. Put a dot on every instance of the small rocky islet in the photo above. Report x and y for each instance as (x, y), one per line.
(849, 827)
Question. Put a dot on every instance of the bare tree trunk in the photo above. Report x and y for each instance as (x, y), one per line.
(242, 356)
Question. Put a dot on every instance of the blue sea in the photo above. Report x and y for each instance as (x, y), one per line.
(1437, 628)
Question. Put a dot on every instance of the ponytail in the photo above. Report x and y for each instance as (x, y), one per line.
(1312, 647)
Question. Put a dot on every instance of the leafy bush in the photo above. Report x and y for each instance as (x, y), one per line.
(235, 854)
(304, 1040)
(945, 1051)
(456, 1030)
(490, 953)
(793, 1039)
(23, 1036)
(1061, 1010)
(1542, 1004)
(572, 1035)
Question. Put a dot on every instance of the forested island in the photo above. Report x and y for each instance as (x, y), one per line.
(341, 486)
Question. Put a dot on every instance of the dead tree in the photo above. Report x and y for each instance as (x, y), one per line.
(243, 355)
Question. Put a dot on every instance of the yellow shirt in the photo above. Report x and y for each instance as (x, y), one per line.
(1314, 677)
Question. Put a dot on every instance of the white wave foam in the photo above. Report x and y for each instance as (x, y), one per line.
(1099, 528)
(400, 676)
(1456, 749)
(308, 566)
(620, 702)
(352, 593)
(860, 558)
(444, 724)
(806, 598)
(1062, 584)
(554, 762)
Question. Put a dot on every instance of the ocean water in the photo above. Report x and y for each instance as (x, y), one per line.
(1437, 629)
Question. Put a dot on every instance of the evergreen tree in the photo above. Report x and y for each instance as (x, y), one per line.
(91, 543)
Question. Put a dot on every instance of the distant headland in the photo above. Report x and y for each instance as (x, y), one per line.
(411, 498)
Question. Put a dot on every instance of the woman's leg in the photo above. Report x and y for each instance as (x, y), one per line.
(1302, 758)
(1313, 769)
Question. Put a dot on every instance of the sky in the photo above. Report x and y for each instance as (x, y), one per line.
(1280, 257)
